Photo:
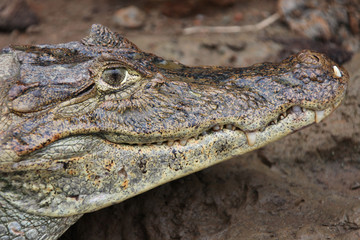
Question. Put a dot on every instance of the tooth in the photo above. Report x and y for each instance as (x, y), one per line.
(230, 127)
(251, 138)
(170, 143)
(319, 115)
(217, 128)
(337, 71)
(183, 142)
(296, 109)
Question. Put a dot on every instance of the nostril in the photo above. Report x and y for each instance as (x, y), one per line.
(316, 58)
(309, 57)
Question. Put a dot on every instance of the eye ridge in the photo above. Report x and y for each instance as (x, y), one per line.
(114, 76)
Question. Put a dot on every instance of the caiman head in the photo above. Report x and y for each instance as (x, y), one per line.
(88, 124)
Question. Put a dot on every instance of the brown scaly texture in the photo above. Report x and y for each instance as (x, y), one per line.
(88, 124)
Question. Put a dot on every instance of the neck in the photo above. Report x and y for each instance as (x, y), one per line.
(15, 223)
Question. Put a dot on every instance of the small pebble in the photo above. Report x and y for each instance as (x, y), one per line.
(16, 14)
(130, 17)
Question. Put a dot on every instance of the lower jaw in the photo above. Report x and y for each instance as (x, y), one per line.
(243, 142)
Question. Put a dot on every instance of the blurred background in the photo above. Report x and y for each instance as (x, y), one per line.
(306, 186)
(161, 26)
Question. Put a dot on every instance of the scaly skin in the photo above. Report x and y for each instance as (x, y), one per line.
(88, 124)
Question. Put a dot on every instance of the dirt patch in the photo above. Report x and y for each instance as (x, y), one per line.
(305, 186)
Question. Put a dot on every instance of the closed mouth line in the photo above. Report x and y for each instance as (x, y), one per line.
(250, 135)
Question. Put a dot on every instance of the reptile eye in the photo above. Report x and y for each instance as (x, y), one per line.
(114, 76)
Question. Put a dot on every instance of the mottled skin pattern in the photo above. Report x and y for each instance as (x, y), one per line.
(88, 124)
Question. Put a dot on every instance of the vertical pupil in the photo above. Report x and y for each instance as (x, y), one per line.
(114, 76)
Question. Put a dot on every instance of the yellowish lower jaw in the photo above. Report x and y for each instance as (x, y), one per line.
(248, 141)
(292, 123)
(320, 115)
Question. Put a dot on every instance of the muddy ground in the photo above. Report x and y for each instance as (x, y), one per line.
(305, 186)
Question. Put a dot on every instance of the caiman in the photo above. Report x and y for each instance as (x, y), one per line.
(90, 123)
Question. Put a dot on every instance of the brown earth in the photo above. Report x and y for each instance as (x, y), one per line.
(305, 186)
